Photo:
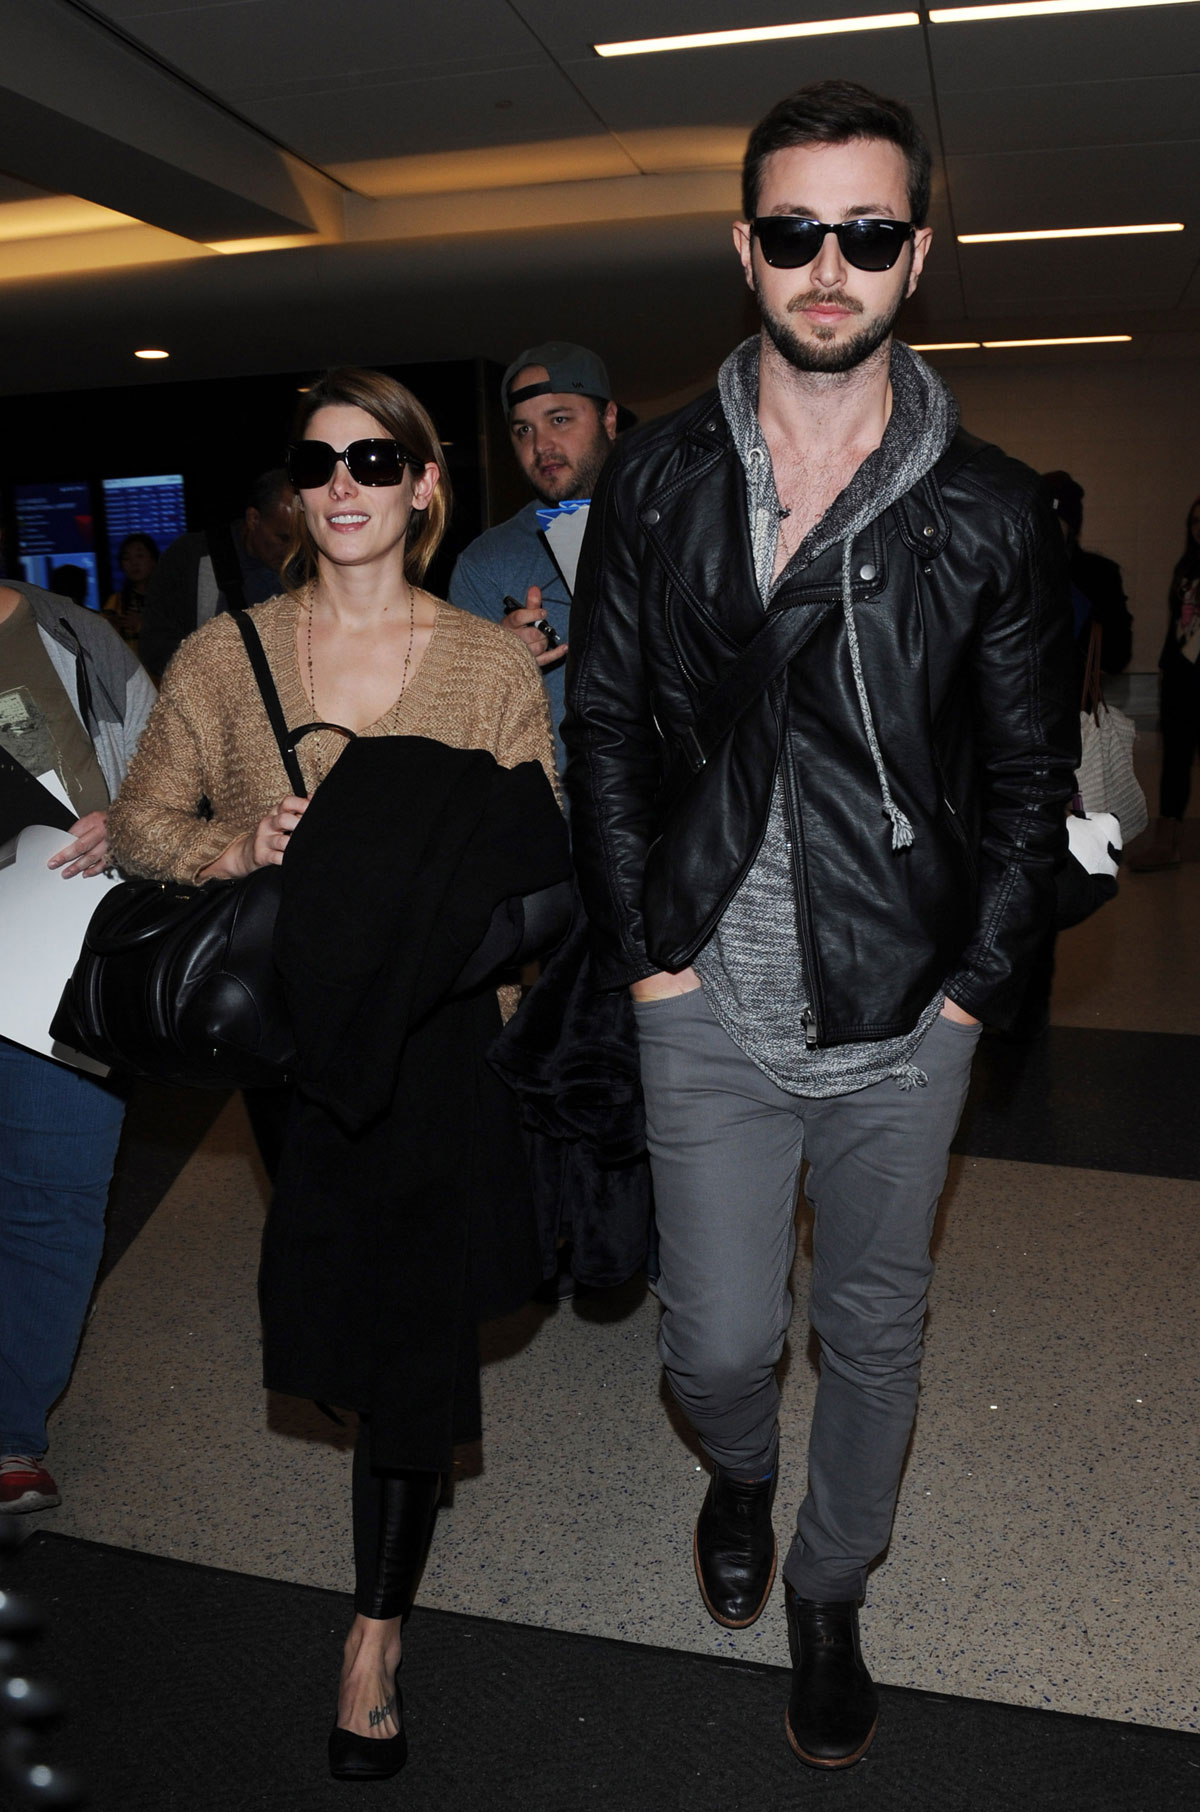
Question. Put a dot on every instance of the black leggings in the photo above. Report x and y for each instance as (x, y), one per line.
(394, 1514)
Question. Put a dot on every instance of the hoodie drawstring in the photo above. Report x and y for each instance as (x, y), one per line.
(902, 830)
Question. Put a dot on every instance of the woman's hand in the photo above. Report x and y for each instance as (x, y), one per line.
(265, 844)
(88, 854)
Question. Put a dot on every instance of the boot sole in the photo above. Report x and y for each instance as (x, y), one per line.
(821, 1761)
(731, 1623)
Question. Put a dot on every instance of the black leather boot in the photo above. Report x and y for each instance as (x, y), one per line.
(734, 1548)
(832, 1712)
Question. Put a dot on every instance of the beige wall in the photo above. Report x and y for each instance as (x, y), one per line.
(1127, 429)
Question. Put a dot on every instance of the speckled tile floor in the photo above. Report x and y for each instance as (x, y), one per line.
(1045, 1549)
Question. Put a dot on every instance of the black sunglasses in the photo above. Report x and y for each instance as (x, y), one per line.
(369, 462)
(789, 241)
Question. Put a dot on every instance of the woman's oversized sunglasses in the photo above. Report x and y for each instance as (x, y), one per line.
(789, 241)
(369, 462)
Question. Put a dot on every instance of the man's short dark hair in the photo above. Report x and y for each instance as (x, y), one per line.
(833, 113)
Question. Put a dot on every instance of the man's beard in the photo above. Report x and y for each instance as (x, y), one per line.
(580, 479)
(812, 355)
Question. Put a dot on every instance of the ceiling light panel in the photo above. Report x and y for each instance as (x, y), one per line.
(1095, 232)
(1084, 339)
(1067, 282)
(1039, 9)
(733, 86)
(757, 34)
(1084, 60)
(1025, 191)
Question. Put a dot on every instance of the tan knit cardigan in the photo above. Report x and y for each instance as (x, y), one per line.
(208, 737)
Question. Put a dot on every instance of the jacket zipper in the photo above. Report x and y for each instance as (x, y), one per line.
(956, 826)
(809, 1018)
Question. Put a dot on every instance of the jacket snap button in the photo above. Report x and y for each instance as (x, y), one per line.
(651, 517)
(927, 530)
(867, 570)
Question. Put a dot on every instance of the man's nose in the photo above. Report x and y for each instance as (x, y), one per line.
(828, 268)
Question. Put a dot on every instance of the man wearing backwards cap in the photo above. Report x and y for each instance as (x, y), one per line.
(558, 401)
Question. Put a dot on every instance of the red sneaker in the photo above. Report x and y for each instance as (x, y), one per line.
(25, 1485)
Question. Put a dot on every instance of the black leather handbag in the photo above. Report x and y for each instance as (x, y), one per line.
(178, 982)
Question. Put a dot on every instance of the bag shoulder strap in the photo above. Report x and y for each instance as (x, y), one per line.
(227, 568)
(284, 738)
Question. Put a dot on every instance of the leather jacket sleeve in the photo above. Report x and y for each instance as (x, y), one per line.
(1027, 747)
(613, 746)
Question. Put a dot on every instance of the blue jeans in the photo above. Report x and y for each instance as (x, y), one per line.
(58, 1143)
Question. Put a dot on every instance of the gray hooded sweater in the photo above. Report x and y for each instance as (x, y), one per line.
(751, 967)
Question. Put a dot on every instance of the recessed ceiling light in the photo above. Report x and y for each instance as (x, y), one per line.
(151, 352)
(1105, 232)
(1033, 9)
(756, 34)
(946, 346)
(1084, 339)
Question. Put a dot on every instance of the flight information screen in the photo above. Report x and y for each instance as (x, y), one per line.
(56, 528)
(142, 506)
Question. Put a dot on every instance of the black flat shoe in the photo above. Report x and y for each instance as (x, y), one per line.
(359, 1758)
(834, 1706)
(734, 1548)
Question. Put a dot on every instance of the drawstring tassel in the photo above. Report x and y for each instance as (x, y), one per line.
(908, 1077)
(902, 830)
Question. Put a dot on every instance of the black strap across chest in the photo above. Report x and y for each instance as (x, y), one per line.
(285, 739)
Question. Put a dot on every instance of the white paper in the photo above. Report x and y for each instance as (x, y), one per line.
(54, 785)
(564, 538)
(42, 922)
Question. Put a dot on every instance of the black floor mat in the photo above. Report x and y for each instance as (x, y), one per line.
(1099, 1100)
(194, 1690)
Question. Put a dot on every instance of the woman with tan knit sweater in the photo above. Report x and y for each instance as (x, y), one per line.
(355, 642)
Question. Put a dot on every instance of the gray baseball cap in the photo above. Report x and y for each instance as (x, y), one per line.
(570, 370)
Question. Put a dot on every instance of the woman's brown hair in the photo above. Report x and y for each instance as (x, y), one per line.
(399, 414)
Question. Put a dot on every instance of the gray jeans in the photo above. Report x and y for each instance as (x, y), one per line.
(725, 1149)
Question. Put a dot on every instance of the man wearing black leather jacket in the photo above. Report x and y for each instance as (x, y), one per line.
(821, 735)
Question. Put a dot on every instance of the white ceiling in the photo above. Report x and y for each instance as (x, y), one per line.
(437, 181)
